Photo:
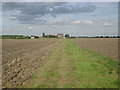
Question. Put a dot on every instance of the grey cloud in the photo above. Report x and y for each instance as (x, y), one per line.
(29, 11)
(11, 6)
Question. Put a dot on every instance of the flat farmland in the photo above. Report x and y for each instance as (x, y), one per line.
(21, 57)
(60, 63)
(105, 46)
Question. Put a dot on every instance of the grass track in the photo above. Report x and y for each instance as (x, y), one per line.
(72, 66)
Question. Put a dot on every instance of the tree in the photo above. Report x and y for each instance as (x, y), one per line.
(43, 34)
(66, 35)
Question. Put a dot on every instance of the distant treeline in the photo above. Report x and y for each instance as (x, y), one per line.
(50, 36)
(97, 37)
(107, 37)
(17, 37)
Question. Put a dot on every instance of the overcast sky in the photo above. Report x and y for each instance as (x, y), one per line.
(74, 18)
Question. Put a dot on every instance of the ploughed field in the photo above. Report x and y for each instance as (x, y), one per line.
(21, 57)
(60, 63)
(104, 46)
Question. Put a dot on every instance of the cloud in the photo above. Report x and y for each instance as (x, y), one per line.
(107, 24)
(51, 9)
(76, 22)
(31, 11)
(30, 28)
(88, 22)
(69, 22)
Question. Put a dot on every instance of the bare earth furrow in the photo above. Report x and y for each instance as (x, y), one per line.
(21, 59)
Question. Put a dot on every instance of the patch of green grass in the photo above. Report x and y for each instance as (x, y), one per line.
(48, 75)
(92, 69)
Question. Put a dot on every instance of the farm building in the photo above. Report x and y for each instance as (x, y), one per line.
(32, 37)
(54, 36)
(60, 35)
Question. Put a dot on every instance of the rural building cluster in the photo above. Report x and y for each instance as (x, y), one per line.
(54, 36)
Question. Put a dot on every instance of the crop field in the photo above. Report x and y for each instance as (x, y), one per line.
(60, 63)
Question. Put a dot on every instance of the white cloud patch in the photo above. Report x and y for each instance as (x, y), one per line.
(51, 9)
(107, 24)
(84, 23)
(70, 22)
(88, 22)
(30, 28)
(76, 22)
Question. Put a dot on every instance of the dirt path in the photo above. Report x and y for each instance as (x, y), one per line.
(66, 69)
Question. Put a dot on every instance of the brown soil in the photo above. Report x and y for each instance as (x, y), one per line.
(105, 46)
(22, 57)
